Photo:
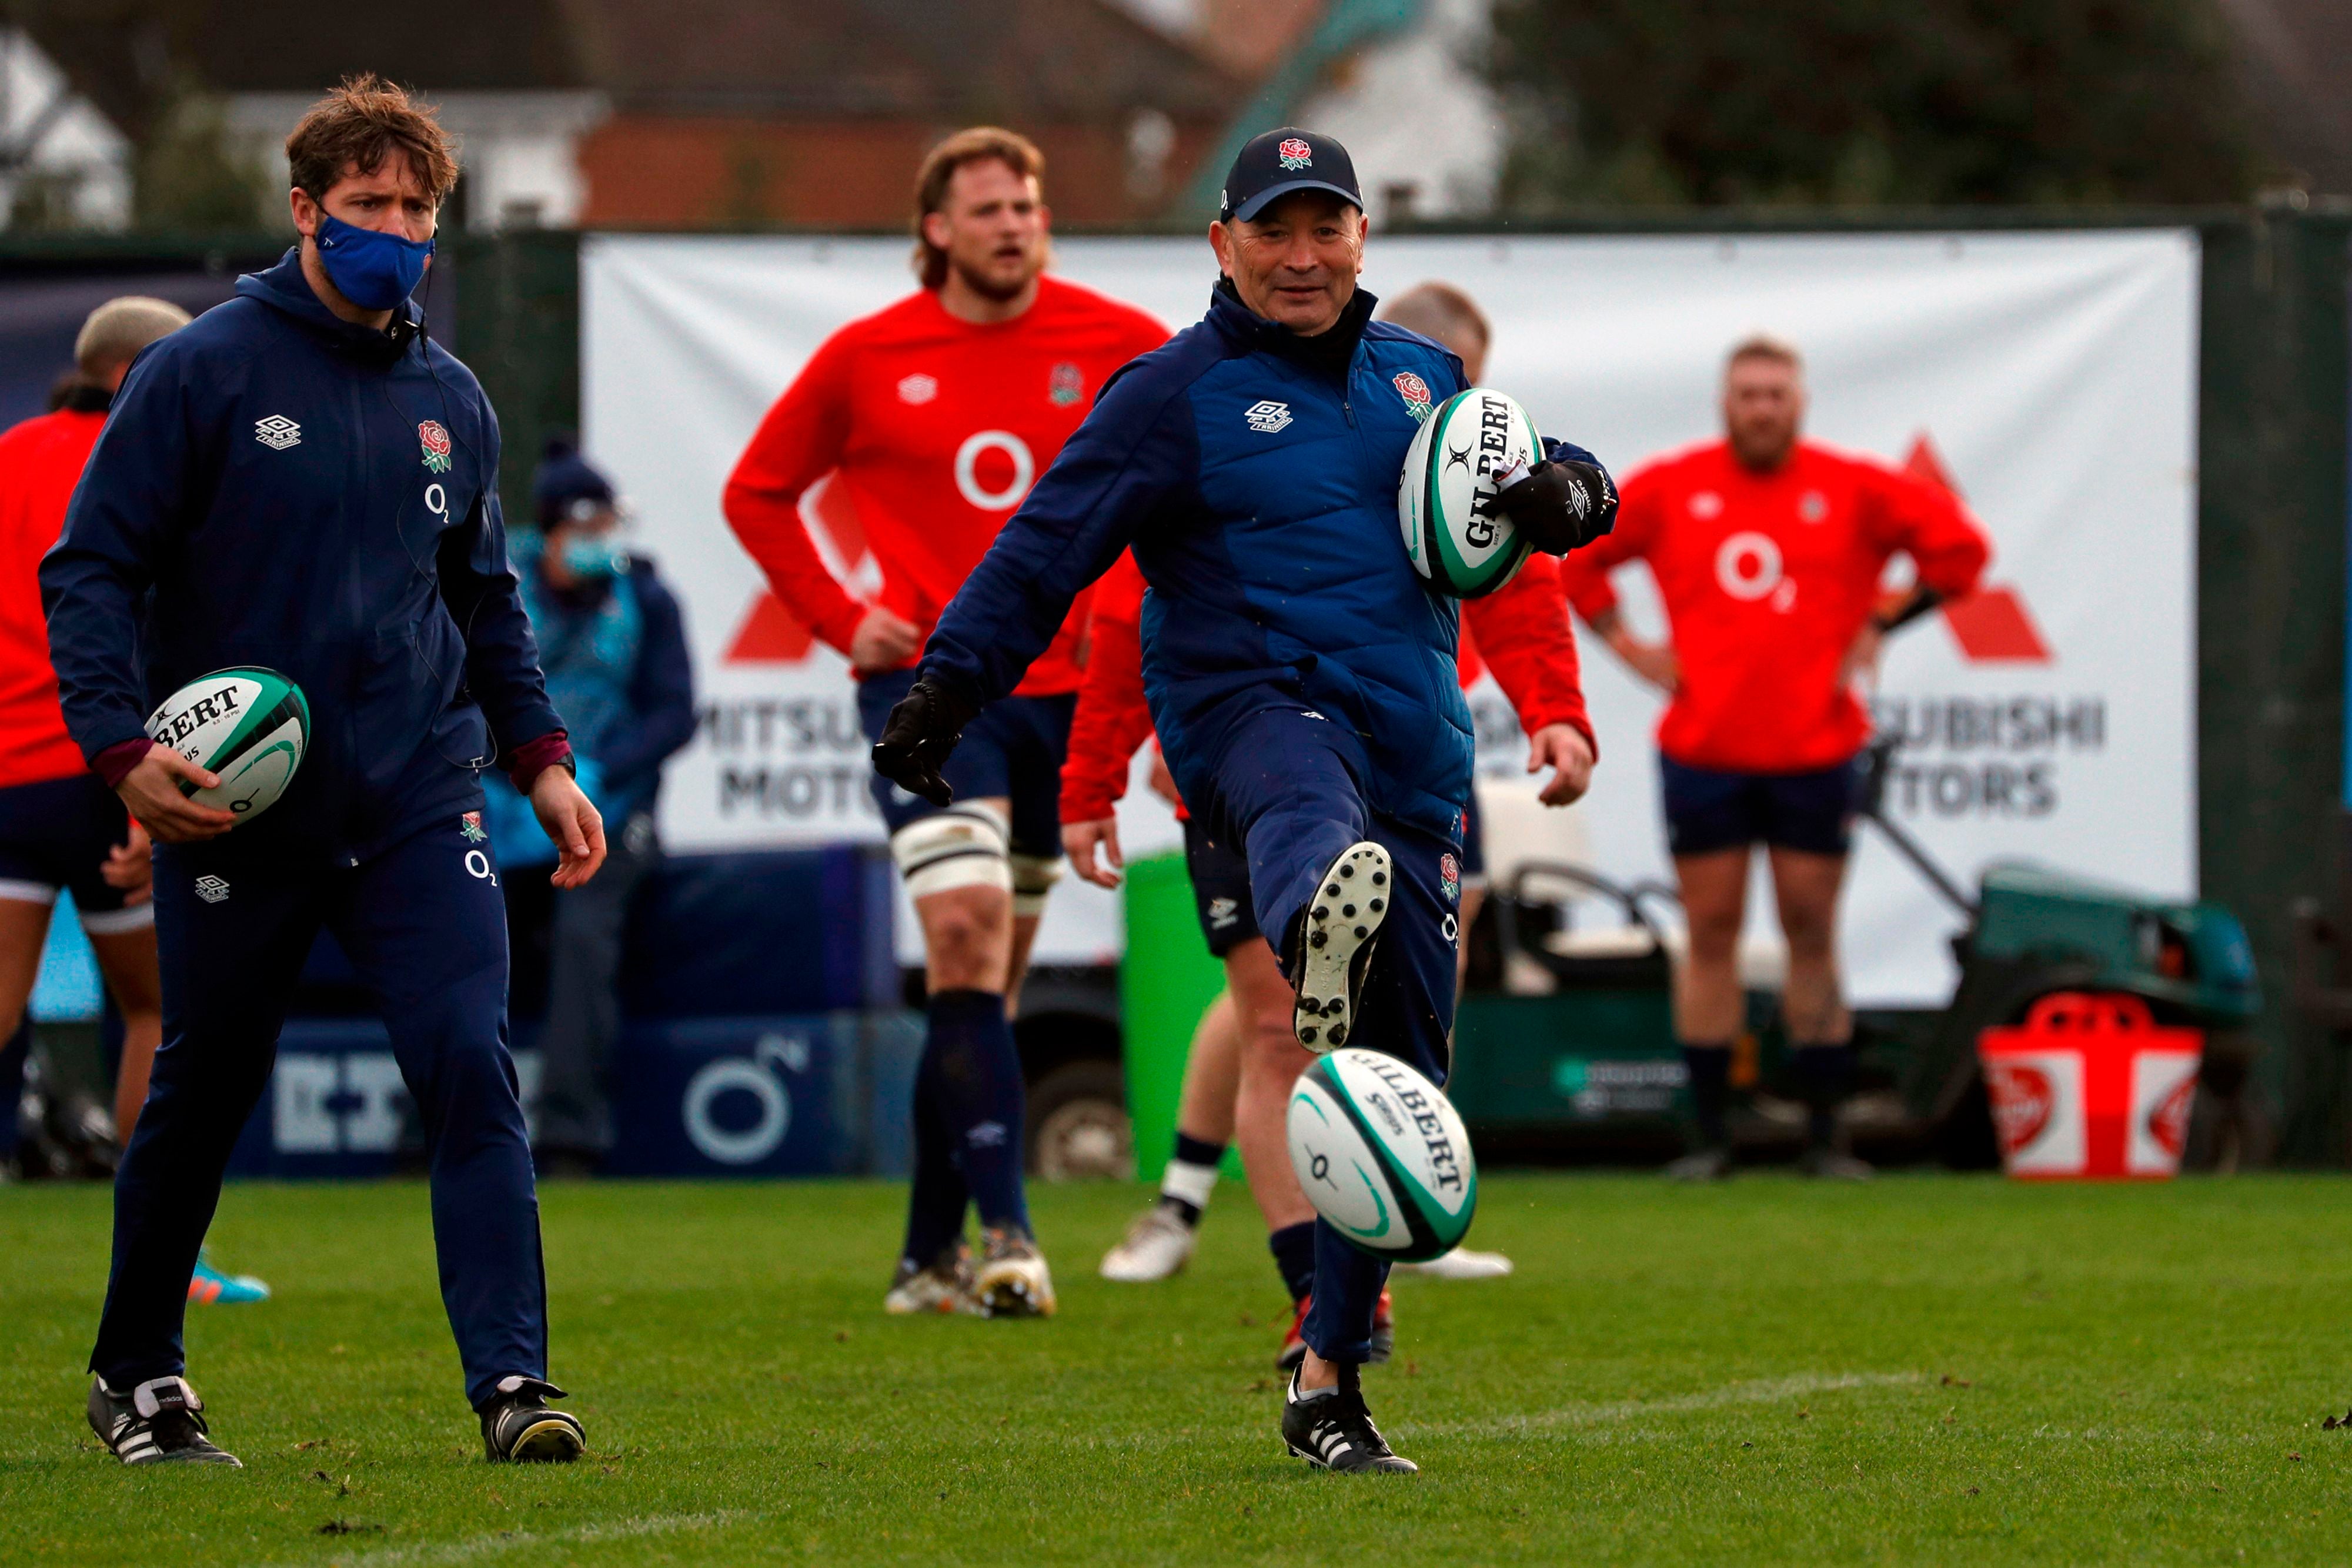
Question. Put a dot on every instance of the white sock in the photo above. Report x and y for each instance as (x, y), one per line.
(1188, 1183)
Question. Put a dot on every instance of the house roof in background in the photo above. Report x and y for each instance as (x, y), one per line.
(943, 60)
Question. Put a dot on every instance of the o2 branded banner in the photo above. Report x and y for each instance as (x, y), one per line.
(2049, 379)
(723, 1096)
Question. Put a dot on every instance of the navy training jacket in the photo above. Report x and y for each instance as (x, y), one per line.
(277, 487)
(1253, 472)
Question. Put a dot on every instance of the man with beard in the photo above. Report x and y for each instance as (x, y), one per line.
(936, 415)
(1768, 550)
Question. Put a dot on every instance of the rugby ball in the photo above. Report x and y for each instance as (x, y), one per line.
(1468, 446)
(248, 727)
(1383, 1155)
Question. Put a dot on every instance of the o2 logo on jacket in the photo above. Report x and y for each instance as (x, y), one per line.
(1748, 567)
(436, 443)
(967, 470)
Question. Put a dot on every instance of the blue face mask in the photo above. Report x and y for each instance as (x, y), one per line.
(372, 269)
(592, 559)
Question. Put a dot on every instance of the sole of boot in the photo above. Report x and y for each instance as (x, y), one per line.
(1342, 920)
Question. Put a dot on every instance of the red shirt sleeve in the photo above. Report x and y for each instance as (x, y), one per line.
(1111, 718)
(1584, 572)
(1522, 631)
(1927, 522)
(799, 442)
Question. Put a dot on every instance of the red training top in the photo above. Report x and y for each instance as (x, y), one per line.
(1522, 628)
(41, 461)
(1768, 578)
(937, 427)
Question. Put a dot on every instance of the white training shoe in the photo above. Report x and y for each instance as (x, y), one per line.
(1158, 1245)
(1342, 921)
(1461, 1263)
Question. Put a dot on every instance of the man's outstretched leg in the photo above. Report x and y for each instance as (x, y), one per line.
(424, 925)
(1318, 862)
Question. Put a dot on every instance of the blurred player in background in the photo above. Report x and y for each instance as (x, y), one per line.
(1768, 550)
(936, 415)
(611, 642)
(1536, 662)
(61, 827)
(1299, 671)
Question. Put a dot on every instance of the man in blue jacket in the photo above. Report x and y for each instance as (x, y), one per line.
(301, 480)
(612, 642)
(1300, 675)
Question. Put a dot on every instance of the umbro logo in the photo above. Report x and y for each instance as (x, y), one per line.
(917, 387)
(1224, 911)
(212, 889)
(1267, 417)
(277, 433)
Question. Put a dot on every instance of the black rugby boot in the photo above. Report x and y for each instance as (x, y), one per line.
(160, 1422)
(1331, 1430)
(518, 1425)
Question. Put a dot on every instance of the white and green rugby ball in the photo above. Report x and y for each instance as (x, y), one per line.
(1453, 535)
(248, 727)
(1383, 1155)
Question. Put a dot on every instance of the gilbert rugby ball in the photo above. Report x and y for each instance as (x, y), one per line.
(1445, 496)
(248, 727)
(1383, 1155)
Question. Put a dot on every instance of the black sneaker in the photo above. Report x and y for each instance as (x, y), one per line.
(1713, 1164)
(518, 1425)
(1826, 1162)
(1331, 1430)
(160, 1422)
(1335, 942)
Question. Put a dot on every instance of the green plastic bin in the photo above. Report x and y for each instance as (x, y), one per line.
(1166, 982)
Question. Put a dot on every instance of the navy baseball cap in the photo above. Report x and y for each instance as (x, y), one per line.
(1281, 162)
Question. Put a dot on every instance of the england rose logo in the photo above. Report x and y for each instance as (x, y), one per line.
(436, 442)
(1295, 153)
(1066, 385)
(1415, 393)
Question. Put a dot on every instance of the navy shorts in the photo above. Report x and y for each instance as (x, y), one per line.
(1474, 844)
(1220, 888)
(1013, 751)
(1708, 810)
(57, 834)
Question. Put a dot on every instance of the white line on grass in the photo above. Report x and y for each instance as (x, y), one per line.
(476, 1548)
(1758, 1391)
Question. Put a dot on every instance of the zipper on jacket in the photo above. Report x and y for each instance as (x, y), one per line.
(1348, 409)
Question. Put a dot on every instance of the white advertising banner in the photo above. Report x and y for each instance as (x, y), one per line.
(2050, 378)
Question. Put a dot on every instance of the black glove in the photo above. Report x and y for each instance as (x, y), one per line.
(1559, 505)
(921, 731)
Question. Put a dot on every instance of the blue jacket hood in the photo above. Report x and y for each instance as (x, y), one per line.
(283, 287)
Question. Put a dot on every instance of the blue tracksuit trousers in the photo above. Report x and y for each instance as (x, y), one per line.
(1290, 787)
(425, 924)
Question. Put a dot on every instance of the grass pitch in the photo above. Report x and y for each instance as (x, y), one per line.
(1926, 1370)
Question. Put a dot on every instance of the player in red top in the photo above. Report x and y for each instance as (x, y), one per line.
(934, 416)
(1769, 552)
(1245, 1053)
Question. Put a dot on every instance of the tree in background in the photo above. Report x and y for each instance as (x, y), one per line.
(193, 176)
(1869, 102)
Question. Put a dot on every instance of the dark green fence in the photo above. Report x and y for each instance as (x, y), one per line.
(2275, 370)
